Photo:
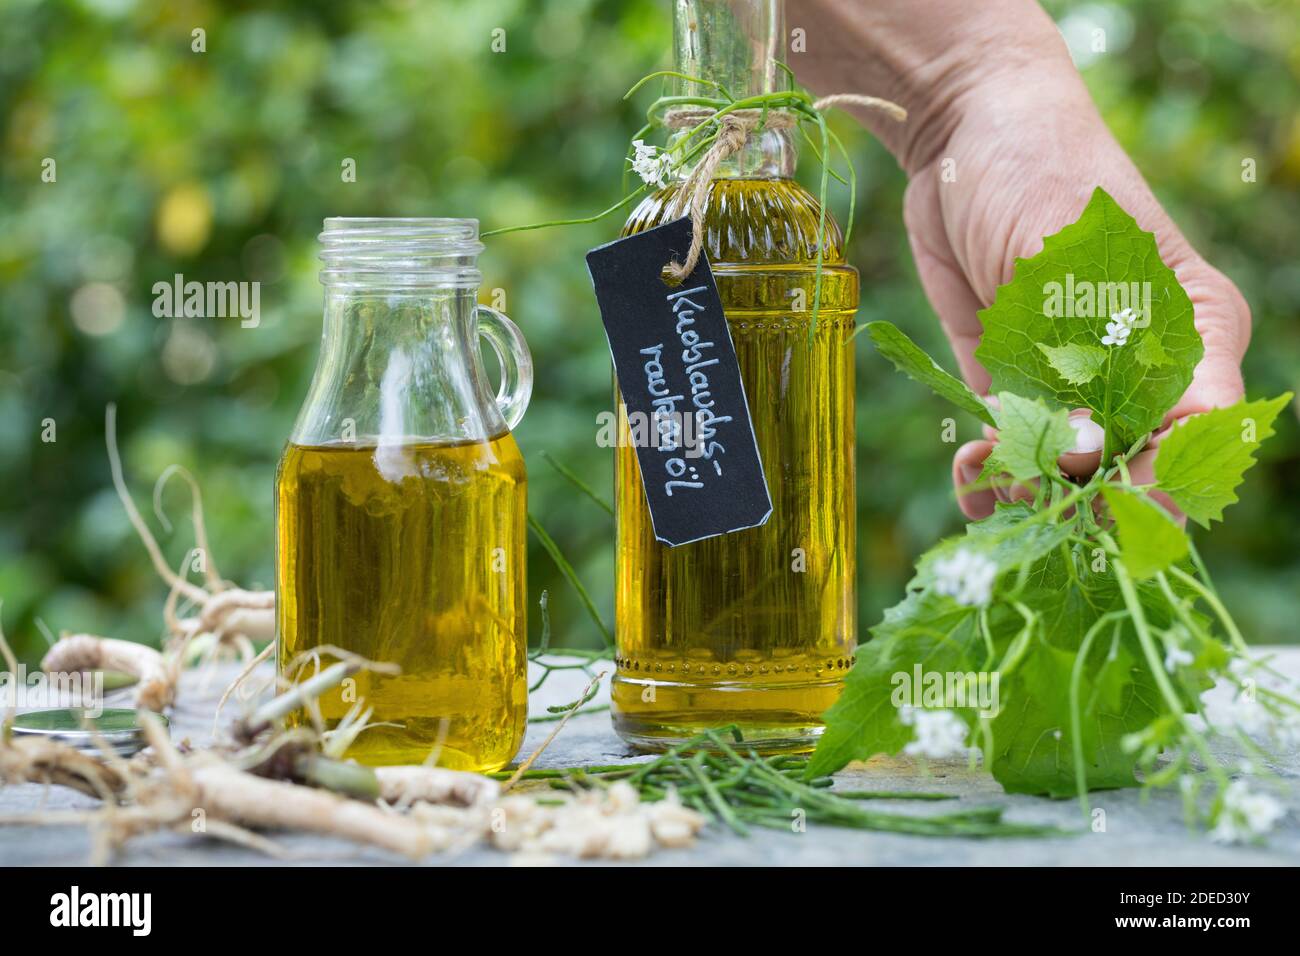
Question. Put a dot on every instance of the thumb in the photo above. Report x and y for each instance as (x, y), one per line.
(967, 464)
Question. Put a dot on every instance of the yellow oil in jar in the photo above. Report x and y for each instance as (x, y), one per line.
(411, 554)
(757, 627)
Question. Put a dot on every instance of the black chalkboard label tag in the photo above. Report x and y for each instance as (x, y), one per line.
(681, 386)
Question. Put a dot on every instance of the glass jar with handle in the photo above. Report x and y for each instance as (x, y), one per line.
(401, 501)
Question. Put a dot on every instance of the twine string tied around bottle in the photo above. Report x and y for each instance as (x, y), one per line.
(734, 131)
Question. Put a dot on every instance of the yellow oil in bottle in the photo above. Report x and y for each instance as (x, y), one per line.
(411, 554)
(757, 627)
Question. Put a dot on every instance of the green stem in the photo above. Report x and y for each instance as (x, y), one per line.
(338, 776)
(553, 549)
(681, 76)
(1105, 415)
(1157, 668)
(550, 718)
(1216, 605)
(821, 233)
(567, 222)
(715, 797)
(569, 475)
(852, 184)
(553, 773)
(892, 795)
(1076, 713)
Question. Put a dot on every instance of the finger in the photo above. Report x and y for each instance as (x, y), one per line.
(967, 464)
(1085, 458)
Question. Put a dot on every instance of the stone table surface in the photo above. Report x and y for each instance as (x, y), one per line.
(1139, 830)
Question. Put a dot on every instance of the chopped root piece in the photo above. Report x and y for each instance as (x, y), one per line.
(610, 824)
(404, 786)
(74, 653)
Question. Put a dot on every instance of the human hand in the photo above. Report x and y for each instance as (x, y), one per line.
(1005, 147)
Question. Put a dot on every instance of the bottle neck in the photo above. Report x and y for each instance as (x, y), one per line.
(767, 154)
(399, 358)
(399, 255)
(737, 45)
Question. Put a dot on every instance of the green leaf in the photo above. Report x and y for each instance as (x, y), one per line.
(1055, 300)
(1031, 436)
(1033, 739)
(1149, 352)
(912, 360)
(1006, 537)
(1078, 363)
(1149, 539)
(1202, 460)
(926, 630)
(1033, 733)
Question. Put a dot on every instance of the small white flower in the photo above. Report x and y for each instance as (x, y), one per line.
(1115, 334)
(1176, 657)
(1120, 327)
(966, 576)
(938, 733)
(1240, 713)
(650, 164)
(1245, 815)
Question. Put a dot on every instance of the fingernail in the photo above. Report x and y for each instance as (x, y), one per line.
(969, 474)
(1088, 436)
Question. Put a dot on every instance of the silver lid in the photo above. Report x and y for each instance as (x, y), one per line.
(117, 728)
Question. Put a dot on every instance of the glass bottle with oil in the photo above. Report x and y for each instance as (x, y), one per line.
(400, 501)
(757, 627)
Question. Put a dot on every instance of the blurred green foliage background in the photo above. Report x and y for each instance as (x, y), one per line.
(221, 165)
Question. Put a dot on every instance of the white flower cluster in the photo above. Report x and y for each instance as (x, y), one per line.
(1248, 716)
(652, 165)
(1242, 714)
(1120, 327)
(966, 576)
(938, 733)
(1245, 815)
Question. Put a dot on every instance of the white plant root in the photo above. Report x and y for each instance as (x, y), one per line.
(404, 786)
(240, 798)
(35, 760)
(228, 617)
(156, 677)
(448, 810)
(420, 809)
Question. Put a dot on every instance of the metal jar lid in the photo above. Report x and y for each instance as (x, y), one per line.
(117, 728)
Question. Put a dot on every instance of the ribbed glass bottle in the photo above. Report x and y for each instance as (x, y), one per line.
(758, 627)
